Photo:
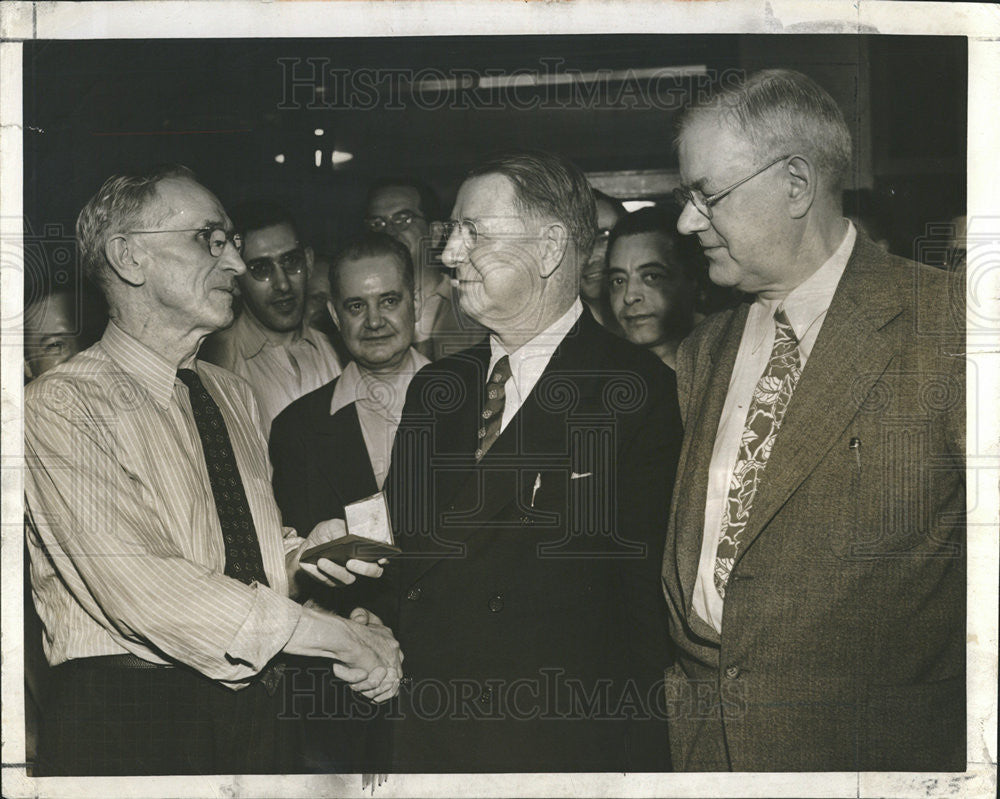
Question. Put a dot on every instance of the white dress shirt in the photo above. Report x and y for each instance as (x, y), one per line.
(805, 306)
(529, 360)
(278, 372)
(379, 399)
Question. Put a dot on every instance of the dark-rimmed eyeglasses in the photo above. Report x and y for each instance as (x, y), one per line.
(291, 263)
(214, 238)
(683, 195)
(400, 220)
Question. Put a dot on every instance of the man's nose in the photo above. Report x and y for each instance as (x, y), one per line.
(454, 250)
(632, 293)
(691, 220)
(231, 261)
(373, 318)
(279, 280)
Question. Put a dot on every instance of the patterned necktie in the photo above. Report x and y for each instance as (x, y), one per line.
(492, 415)
(767, 409)
(243, 557)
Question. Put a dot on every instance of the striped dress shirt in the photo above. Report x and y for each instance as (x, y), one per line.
(126, 549)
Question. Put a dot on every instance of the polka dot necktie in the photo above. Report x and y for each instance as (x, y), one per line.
(492, 415)
(243, 557)
(767, 408)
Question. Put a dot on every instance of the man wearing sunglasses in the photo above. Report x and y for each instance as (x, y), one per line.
(159, 566)
(271, 345)
(815, 561)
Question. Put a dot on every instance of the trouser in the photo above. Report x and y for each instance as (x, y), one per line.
(110, 716)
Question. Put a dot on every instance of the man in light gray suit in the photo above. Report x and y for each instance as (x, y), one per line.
(815, 562)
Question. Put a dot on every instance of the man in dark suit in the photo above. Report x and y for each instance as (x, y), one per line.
(815, 562)
(332, 447)
(529, 488)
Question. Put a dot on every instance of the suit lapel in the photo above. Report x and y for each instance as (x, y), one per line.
(851, 353)
(704, 410)
(533, 429)
(346, 463)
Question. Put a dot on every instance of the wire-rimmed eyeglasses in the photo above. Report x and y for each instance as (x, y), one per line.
(400, 220)
(683, 195)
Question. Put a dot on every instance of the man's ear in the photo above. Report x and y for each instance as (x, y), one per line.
(802, 177)
(128, 264)
(332, 309)
(554, 241)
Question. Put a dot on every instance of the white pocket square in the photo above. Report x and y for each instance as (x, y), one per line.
(578, 475)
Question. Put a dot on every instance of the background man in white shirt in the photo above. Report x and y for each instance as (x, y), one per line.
(529, 486)
(814, 567)
(271, 345)
(159, 565)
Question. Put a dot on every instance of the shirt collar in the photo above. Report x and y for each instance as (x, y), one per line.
(149, 369)
(382, 393)
(808, 301)
(529, 360)
(251, 336)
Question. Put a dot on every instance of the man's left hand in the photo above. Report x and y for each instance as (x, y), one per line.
(327, 571)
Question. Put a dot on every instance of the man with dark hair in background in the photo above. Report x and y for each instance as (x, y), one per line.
(529, 487)
(159, 566)
(815, 561)
(271, 345)
(408, 210)
(653, 275)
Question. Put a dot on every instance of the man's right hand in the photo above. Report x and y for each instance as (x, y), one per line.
(366, 655)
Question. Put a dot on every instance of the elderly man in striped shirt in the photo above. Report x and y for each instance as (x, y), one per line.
(159, 565)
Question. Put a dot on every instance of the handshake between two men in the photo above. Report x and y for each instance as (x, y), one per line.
(364, 651)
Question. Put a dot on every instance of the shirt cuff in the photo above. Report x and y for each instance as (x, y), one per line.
(265, 631)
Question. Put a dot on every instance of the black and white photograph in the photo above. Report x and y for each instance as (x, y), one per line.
(499, 399)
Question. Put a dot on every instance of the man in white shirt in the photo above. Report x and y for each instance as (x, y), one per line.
(529, 486)
(271, 345)
(159, 566)
(814, 566)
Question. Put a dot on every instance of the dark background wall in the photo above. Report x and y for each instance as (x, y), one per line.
(227, 108)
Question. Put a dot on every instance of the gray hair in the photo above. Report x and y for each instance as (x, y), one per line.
(119, 205)
(549, 185)
(782, 111)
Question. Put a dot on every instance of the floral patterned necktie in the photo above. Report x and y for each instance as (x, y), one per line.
(767, 409)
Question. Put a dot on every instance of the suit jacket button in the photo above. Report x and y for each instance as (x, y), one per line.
(486, 696)
(525, 520)
(496, 603)
(413, 594)
(732, 672)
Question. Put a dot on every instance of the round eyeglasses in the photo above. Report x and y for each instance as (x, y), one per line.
(214, 238)
(466, 229)
(291, 263)
(400, 220)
